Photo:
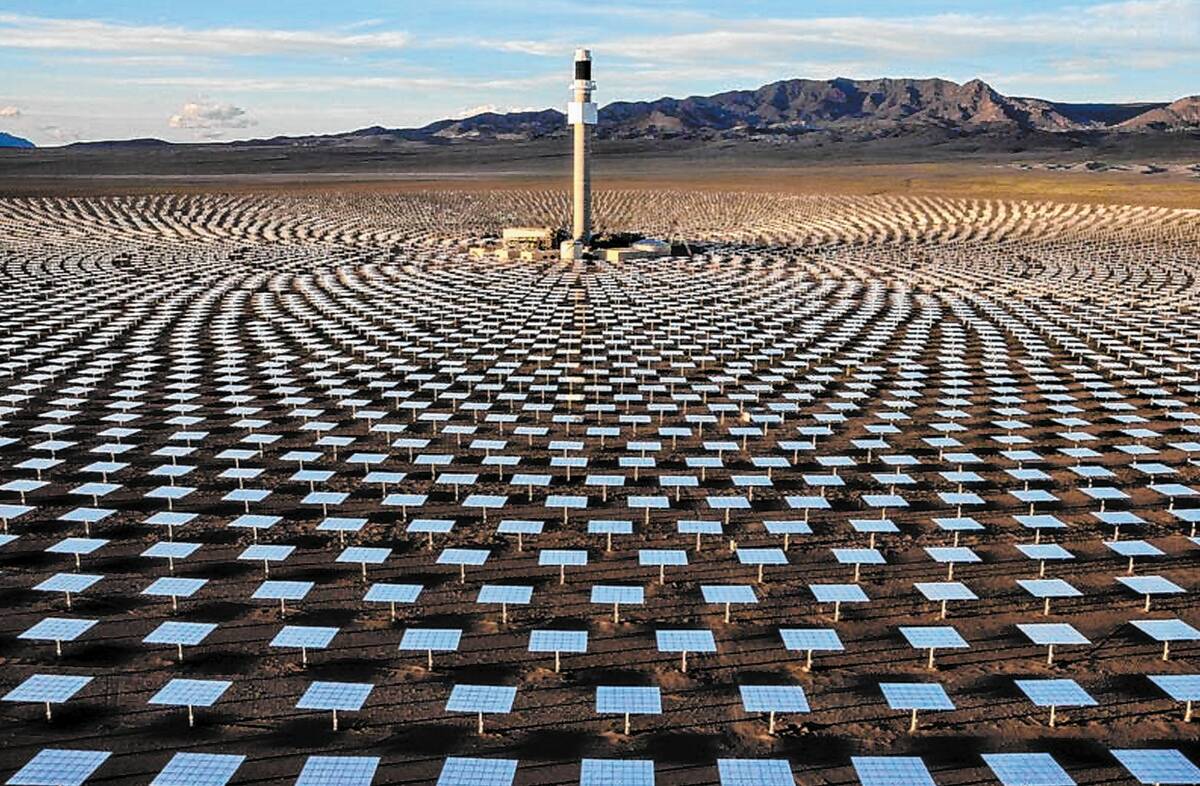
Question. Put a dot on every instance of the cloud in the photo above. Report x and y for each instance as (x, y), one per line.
(1142, 24)
(131, 61)
(89, 35)
(61, 134)
(1119, 29)
(317, 82)
(539, 48)
(656, 12)
(210, 117)
(499, 109)
(10, 112)
(1020, 81)
(649, 80)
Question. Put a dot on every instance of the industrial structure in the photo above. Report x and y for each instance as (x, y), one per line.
(537, 243)
(530, 244)
(581, 114)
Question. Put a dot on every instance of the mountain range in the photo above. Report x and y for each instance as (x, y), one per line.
(863, 109)
(8, 140)
(842, 109)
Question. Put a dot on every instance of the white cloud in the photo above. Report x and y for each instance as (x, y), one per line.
(315, 83)
(643, 81)
(1141, 24)
(499, 109)
(656, 12)
(541, 48)
(61, 134)
(90, 35)
(1019, 83)
(10, 112)
(190, 62)
(210, 116)
(1121, 29)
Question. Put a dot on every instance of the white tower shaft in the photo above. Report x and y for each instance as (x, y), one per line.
(581, 113)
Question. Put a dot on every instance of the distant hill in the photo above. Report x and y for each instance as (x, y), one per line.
(861, 108)
(842, 109)
(146, 142)
(1100, 115)
(1184, 113)
(8, 140)
(803, 105)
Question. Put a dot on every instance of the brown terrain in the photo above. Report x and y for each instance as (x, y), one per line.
(967, 180)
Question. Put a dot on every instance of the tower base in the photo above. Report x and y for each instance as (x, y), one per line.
(572, 250)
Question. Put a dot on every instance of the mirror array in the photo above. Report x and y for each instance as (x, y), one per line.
(866, 490)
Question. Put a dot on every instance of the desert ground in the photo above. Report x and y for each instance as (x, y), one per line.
(934, 381)
(1121, 170)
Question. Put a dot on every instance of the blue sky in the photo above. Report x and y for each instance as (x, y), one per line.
(221, 69)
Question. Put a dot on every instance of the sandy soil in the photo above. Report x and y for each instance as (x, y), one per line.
(1130, 169)
(962, 180)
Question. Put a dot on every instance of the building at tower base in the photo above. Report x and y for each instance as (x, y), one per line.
(537, 243)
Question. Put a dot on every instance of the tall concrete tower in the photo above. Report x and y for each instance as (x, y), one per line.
(581, 113)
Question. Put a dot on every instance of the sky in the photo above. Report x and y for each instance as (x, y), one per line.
(237, 69)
